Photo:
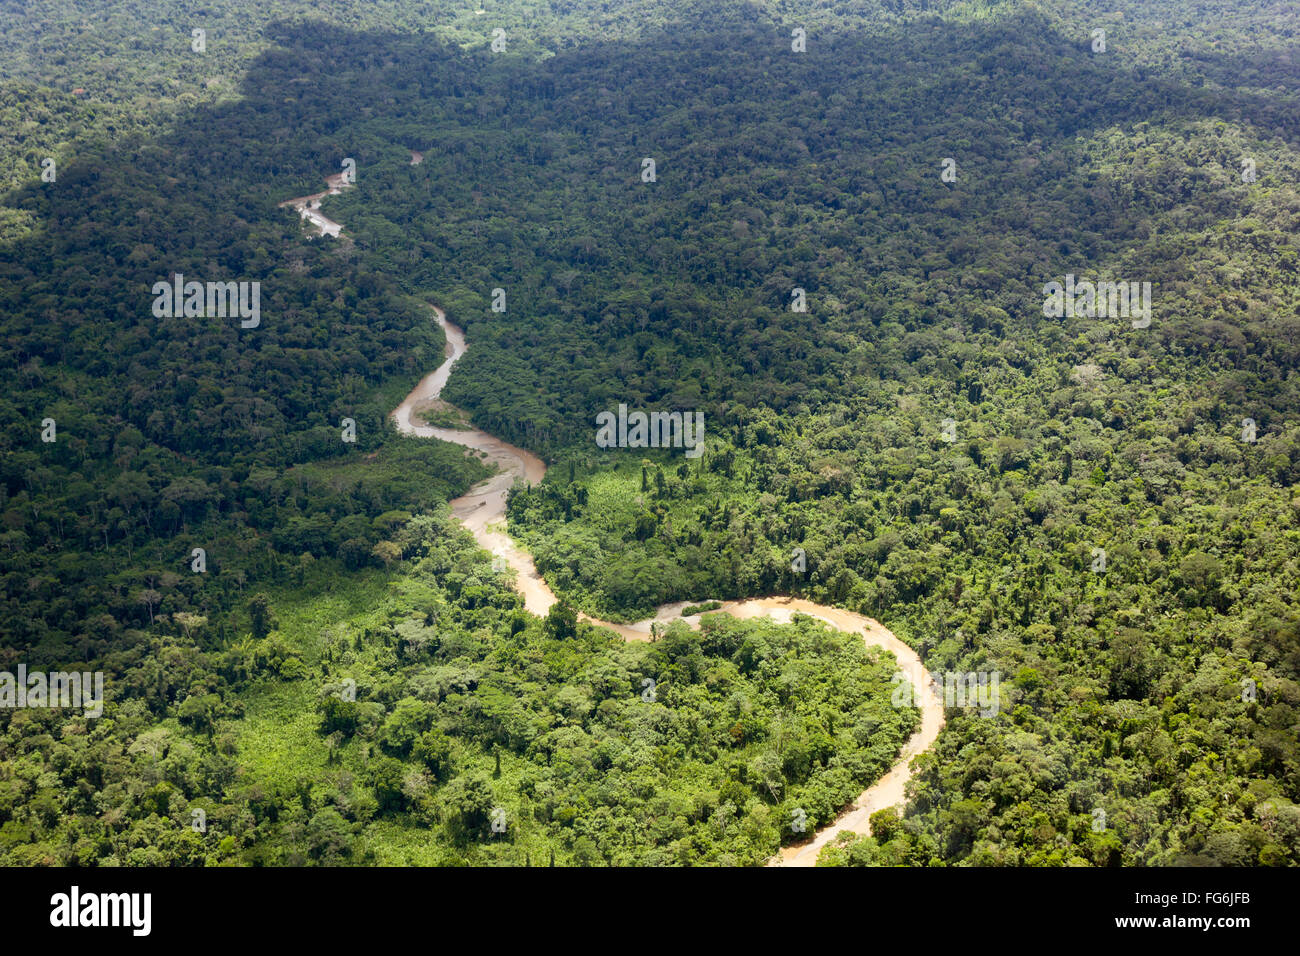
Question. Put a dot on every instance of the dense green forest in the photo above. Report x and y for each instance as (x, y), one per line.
(391, 722)
(950, 460)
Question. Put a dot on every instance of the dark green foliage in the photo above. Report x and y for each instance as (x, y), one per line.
(749, 721)
(1163, 690)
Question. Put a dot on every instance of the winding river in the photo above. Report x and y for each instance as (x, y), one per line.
(482, 510)
(309, 206)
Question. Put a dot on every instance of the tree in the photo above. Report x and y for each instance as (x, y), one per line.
(561, 621)
(885, 824)
(329, 837)
(259, 615)
(465, 805)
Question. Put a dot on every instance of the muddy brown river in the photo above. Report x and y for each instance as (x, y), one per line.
(482, 510)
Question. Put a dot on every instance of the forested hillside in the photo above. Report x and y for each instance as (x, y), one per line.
(948, 458)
